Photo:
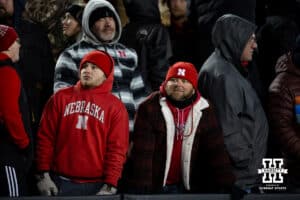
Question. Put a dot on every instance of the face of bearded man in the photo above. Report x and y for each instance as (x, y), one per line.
(179, 89)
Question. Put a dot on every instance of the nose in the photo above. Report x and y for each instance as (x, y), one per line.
(108, 21)
(254, 45)
(88, 68)
(178, 82)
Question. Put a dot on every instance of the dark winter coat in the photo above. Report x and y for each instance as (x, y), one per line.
(284, 98)
(223, 80)
(205, 163)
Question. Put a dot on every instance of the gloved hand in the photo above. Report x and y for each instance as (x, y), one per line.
(107, 190)
(45, 185)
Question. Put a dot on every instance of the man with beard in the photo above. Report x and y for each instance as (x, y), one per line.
(178, 145)
(102, 28)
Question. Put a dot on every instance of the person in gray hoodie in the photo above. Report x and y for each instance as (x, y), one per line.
(102, 29)
(223, 79)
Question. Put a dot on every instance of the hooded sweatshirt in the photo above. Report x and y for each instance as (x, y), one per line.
(128, 84)
(83, 134)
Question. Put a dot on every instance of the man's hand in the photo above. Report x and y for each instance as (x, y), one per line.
(45, 185)
(107, 190)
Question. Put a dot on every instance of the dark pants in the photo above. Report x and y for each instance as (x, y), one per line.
(12, 181)
(173, 189)
(69, 188)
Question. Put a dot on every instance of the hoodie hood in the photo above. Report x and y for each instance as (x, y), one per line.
(142, 11)
(89, 8)
(230, 35)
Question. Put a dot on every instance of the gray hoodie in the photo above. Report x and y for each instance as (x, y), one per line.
(89, 8)
(128, 84)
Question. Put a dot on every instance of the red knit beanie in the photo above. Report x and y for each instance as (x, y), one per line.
(100, 58)
(8, 36)
(184, 70)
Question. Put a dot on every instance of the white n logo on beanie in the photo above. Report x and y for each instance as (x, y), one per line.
(181, 72)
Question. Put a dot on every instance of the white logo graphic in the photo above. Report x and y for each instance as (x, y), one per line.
(272, 170)
(181, 72)
(82, 122)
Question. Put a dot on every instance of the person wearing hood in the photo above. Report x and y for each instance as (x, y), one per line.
(178, 145)
(83, 136)
(223, 79)
(284, 113)
(102, 29)
(147, 35)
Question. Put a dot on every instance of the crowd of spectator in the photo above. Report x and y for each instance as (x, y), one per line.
(105, 96)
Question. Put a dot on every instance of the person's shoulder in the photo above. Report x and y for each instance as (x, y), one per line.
(215, 67)
(112, 99)
(152, 98)
(120, 46)
(8, 71)
(61, 93)
(281, 81)
(114, 103)
(126, 53)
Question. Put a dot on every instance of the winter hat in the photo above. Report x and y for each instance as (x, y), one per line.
(100, 58)
(184, 70)
(100, 13)
(296, 53)
(76, 12)
(8, 36)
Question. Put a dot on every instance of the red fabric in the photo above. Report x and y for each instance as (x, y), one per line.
(10, 89)
(8, 36)
(183, 70)
(87, 150)
(180, 117)
(245, 63)
(100, 58)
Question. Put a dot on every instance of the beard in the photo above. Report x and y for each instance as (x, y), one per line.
(178, 17)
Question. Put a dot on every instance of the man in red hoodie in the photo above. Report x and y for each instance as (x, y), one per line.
(15, 134)
(83, 135)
